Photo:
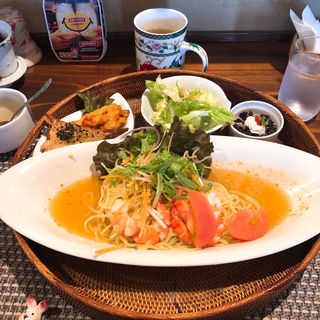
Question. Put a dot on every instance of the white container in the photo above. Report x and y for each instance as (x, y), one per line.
(190, 83)
(300, 87)
(13, 133)
(76, 28)
(258, 107)
(23, 45)
(8, 61)
(160, 40)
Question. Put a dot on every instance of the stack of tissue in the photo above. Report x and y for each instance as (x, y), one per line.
(308, 26)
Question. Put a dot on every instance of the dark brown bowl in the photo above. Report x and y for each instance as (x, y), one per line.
(219, 292)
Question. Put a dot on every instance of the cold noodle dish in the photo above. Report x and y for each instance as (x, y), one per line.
(157, 189)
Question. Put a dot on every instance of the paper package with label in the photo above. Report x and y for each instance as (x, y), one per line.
(76, 29)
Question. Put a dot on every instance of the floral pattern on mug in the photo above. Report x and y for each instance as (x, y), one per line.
(147, 66)
(195, 46)
(163, 50)
(154, 46)
(157, 46)
(154, 63)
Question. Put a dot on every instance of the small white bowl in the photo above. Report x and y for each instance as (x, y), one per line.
(190, 83)
(258, 107)
(13, 133)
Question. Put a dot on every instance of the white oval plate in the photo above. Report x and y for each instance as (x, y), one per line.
(118, 99)
(190, 83)
(27, 186)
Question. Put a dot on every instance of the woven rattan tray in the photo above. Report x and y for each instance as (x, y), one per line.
(229, 291)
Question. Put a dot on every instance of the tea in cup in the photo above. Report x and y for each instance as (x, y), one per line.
(159, 40)
(8, 61)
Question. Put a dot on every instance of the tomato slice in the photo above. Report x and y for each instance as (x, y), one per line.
(205, 223)
(248, 224)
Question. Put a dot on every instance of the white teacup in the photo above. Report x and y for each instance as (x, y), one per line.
(13, 133)
(159, 40)
(8, 61)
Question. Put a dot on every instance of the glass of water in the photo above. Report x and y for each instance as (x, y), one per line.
(300, 87)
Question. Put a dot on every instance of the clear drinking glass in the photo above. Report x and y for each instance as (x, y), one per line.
(300, 87)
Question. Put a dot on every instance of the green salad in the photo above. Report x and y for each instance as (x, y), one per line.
(196, 108)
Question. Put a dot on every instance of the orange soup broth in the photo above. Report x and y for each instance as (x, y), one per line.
(272, 198)
(70, 207)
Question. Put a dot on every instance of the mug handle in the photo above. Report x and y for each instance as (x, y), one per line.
(189, 46)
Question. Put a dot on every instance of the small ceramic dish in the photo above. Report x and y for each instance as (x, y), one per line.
(190, 83)
(118, 99)
(256, 120)
(14, 132)
(21, 69)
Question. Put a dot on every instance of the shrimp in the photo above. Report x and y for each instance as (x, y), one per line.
(124, 225)
(183, 220)
(154, 233)
(150, 234)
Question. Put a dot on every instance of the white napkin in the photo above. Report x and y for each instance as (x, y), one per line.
(308, 26)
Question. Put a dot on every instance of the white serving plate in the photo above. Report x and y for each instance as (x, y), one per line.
(118, 99)
(27, 186)
(190, 83)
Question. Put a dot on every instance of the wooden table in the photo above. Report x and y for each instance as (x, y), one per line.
(260, 65)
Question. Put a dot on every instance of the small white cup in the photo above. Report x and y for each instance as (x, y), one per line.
(159, 40)
(13, 133)
(259, 107)
(8, 61)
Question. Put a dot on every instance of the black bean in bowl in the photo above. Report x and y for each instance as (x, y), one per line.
(255, 124)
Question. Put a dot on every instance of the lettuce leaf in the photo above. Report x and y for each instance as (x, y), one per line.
(196, 114)
(178, 140)
(197, 109)
(92, 102)
(157, 94)
(108, 154)
(203, 96)
(207, 119)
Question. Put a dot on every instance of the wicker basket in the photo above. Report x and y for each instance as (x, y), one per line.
(228, 291)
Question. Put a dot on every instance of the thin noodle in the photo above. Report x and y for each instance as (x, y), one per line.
(128, 200)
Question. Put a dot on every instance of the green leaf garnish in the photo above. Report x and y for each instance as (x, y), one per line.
(183, 158)
(93, 102)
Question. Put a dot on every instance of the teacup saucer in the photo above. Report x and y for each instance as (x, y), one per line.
(21, 69)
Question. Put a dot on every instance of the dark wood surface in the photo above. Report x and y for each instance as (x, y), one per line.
(260, 65)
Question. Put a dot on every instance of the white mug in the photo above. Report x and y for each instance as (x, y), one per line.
(159, 40)
(8, 61)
